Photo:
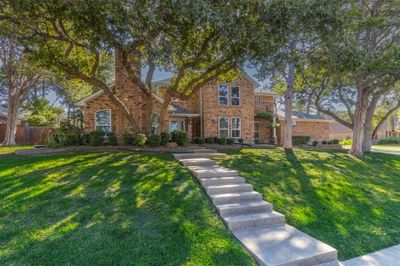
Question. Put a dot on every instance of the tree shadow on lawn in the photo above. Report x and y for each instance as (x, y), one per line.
(349, 203)
(108, 208)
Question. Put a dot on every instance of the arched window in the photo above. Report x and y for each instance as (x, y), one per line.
(103, 120)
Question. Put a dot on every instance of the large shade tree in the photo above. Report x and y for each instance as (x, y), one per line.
(18, 77)
(372, 36)
(308, 24)
(196, 40)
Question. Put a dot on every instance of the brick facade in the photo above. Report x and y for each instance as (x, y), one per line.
(316, 130)
(204, 108)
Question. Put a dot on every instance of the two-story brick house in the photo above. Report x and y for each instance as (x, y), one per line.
(224, 109)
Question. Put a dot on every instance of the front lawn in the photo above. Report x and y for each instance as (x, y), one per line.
(108, 209)
(351, 204)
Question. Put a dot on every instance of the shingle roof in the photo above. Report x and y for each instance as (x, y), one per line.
(303, 116)
(175, 109)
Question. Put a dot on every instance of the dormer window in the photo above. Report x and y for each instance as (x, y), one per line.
(223, 95)
(235, 96)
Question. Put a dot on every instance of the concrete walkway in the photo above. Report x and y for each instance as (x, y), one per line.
(261, 230)
(385, 257)
(387, 152)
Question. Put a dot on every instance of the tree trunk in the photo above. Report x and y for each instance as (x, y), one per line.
(11, 126)
(164, 113)
(367, 138)
(287, 137)
(308, 104)
(359, 120)
(148, 114)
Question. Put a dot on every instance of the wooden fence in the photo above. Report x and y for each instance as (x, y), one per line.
(27, 135)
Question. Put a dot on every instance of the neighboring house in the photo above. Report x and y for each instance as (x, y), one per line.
(224, 109)
(315, 126)
(339, 131)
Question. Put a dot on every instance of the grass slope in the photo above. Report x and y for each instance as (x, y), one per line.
(351, 204)
(108, 209)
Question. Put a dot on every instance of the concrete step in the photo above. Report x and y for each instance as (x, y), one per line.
(285, 245)
(226, 198)
(217, 181)
(198, 162)
(244, 207)
(204, 150)
(233, 188)
(198, 155)
(211, 171)
(250, 220)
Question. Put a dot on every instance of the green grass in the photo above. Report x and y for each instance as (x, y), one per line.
(108, 209)
(351, 204)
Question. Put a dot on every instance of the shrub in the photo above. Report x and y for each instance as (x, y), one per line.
(346, 142)
(230, 141)
(315, 143)
(154, 140)
(222, 140)
(127, 138)
(210, 140)
(112, 139)
(198, 140)
(96, 138)
(265, 115)
(165, 137)
(241, 141)
(216, 139)
(388, 140)
(56, 139)
(324, 142)
(335, 141)
(73, 139)
(300, 140)
(180, 137)
(140, 139)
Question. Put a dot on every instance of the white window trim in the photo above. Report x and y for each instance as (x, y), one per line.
(240, 127)
(231, 97)
(227, 95)
(95, 118)
(219, 125)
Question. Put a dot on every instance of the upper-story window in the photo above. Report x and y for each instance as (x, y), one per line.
(258, 101)
(223, 95)
(103, 120)
(235, 95)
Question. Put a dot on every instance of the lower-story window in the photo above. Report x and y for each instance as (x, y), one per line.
(236, 127)
(155, 121)
(176, 125)
(103, 120)
(223, 127)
